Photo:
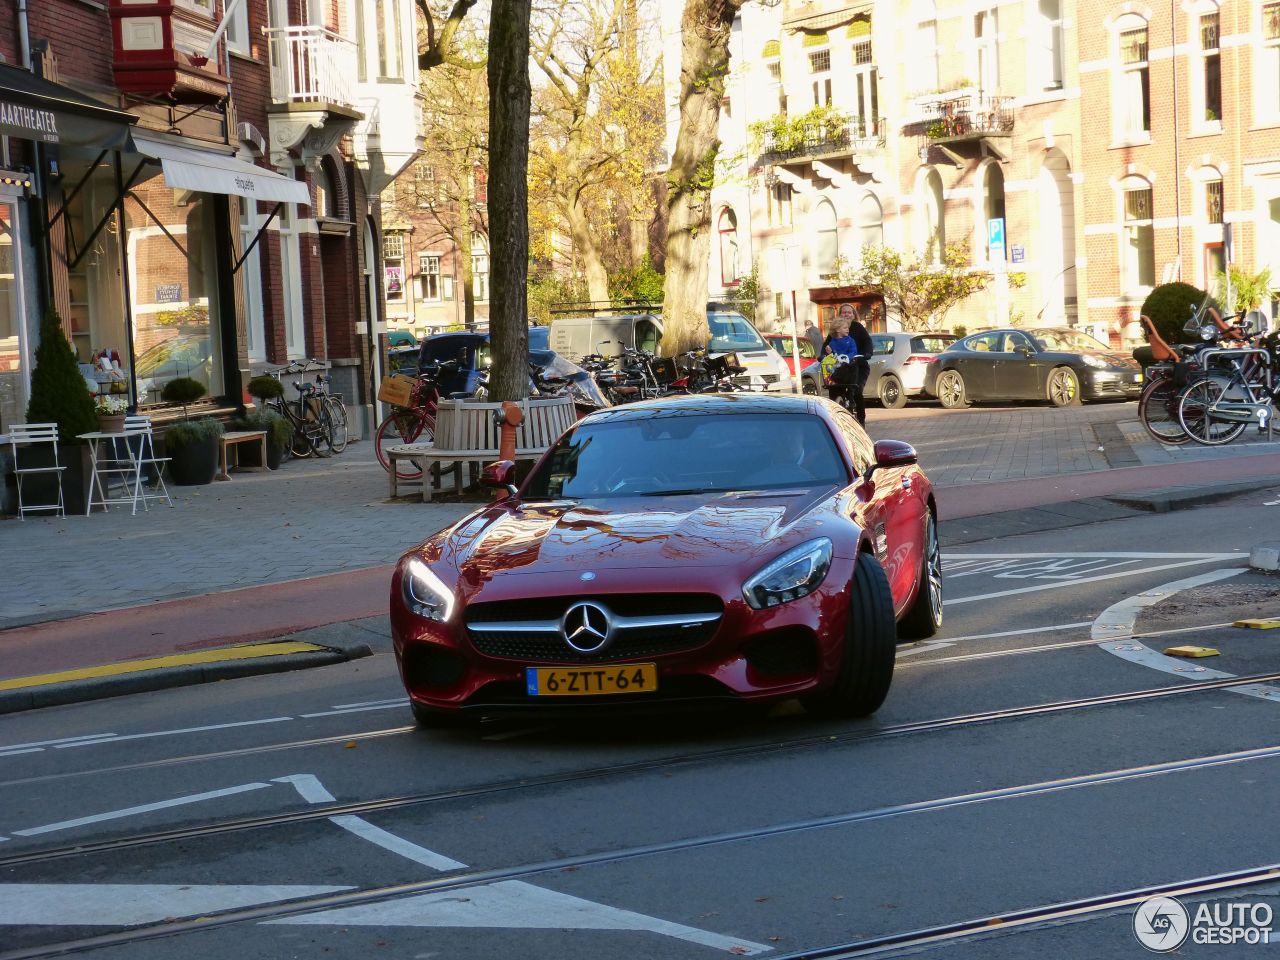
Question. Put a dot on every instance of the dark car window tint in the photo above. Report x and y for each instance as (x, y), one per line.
(1015, 340)
(646, 336)
(931, 344)
(702, 452)
(861, 450)
(986, 342)
(881, 345)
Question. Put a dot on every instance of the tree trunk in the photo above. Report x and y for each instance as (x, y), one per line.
(585, 242)
(465, 251)
(638, 239)
(509, 99)
(704, 63)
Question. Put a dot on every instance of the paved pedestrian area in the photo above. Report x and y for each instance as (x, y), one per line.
(309, 517)
(325, 516)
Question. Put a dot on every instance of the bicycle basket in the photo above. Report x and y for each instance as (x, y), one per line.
(396, 390)
(664, 370)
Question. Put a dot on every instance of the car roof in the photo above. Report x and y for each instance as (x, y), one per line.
(706, 403)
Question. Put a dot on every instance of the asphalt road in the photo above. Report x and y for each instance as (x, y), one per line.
(1042, 750)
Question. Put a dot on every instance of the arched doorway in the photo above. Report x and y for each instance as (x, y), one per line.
(1056, 241)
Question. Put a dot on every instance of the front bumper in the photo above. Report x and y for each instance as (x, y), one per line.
(751, 655)
(1111, 384)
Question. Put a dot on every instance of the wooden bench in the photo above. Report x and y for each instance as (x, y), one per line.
(235, 438)
(467, 437)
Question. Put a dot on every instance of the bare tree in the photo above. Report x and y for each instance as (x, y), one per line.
(704, 64)
(509, 101)
(439, 36)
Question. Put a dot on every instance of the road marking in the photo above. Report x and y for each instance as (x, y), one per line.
(142, 808)
(504, 904)
(514, 904)
(121, 904)
(397, 705)
(113, 738)
(370, 703)
(1113, 628)
(1203, 558)
(247, 652)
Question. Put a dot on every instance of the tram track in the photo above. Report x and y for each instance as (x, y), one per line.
(471, 878)
(383, 804)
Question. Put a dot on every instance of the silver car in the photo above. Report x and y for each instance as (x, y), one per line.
(898, 363)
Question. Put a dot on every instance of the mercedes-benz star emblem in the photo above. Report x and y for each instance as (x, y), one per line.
(587, 627)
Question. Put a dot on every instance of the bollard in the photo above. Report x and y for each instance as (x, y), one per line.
(509, 418)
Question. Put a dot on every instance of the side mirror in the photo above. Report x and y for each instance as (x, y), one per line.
(891, 453)
(500, 476)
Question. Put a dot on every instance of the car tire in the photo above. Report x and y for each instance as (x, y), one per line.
(1063, 387)
(890, 393)
(924, 617)
(870, 647)
(950, 390)
(810, 388)
(429, 718)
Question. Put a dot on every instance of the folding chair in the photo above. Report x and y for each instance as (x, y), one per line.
(141, 444)
(29, 435)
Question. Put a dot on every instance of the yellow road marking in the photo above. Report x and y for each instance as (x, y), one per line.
(247, 652)
(1258, 624)
(1191, 651)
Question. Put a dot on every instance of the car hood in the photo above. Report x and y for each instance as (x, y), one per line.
(724, 530)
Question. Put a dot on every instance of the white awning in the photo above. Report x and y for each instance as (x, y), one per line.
(207, 172)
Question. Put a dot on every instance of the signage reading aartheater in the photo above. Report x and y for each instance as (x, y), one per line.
(28, 122)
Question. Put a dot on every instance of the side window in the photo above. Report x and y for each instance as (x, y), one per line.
(986, 342)
(859, 445)
(647, 336)
(881, 346)
(1013, 341)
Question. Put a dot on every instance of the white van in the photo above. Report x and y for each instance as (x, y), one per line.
(731, 332)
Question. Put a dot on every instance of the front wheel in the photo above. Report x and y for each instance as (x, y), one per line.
(403, 426)
(950, 390)
(337, 424)
(1195, 413)
(1063, 388)
(924, 617)
(810, 388)
(1158, 411)
(870, 647)
(889, 391)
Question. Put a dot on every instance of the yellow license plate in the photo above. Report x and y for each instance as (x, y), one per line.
(591, 681)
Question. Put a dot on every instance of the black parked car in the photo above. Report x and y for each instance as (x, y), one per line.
(1060, 365)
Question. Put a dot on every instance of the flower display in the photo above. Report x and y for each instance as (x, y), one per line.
(110, 404)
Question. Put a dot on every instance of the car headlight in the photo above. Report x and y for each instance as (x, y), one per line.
(797, 573)
(1096, 362)
(424, 593)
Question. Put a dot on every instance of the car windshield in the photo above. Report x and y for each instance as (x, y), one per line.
(785, 345)
(1070, 341)
(732, 331)
(689, 454)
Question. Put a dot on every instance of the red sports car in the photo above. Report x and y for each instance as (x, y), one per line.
(718, 548)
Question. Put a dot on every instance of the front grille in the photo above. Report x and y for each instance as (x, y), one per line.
(628, 643)
(745, 379)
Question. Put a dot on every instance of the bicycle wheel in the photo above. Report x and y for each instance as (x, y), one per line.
(1158, 411)
(403, 426)
(338, 422)
(1196, 415)
(299, 444)
(320, 432)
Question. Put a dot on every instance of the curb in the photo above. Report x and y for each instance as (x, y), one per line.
(1265, 557)
(1166, 499)
(147, 679)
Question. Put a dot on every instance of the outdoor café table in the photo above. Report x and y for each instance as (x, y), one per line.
(108, 463)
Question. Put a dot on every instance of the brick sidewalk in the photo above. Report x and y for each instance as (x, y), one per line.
(308, 518)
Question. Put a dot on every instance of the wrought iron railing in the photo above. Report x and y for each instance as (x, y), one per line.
(857, 135)
(312, 65)
(961, 118)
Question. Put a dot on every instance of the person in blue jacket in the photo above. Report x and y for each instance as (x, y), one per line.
(850, 346)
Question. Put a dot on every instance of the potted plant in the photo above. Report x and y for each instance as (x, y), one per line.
(264, 388)
(111, 412)
(192, 445)
(60, 395)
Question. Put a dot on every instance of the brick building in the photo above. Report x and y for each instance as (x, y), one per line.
(194, 183)
(1182, 147)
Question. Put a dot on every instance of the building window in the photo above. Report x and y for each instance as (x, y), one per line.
(393, 246)
(1134, 94)
(986, 49)
(255, 328)
(238, 30)
(1213, 201)
(927, 47)
(429, 277)
(1210, 69)
(870, 222)
(15, 367)
(780, 214)
(866, 87)
(1268, 80)
(820, 61)
(390, 45)
(826, 240)
(935, 224)
(480, 276)
(728, 230)
(1139, 241)
(860, 35)
(1049, 59)
(820, 67)
(480, 185)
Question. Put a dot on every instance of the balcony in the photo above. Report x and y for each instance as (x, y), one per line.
(312, 65)
(959, 123)
(313, 90)
(800, 141)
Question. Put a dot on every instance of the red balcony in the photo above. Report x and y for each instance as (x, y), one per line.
(161, 50)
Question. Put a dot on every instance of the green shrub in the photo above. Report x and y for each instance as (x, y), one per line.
(192, 431)
(59, 393)
(265, 388)
(279, 430)
(1169, 307)
(183, 390)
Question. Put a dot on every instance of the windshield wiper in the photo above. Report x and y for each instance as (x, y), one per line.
(682, 493)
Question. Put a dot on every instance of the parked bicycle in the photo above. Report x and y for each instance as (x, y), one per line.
(1240, 390)
(309, 415)
(416, 421)
(337, 412)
